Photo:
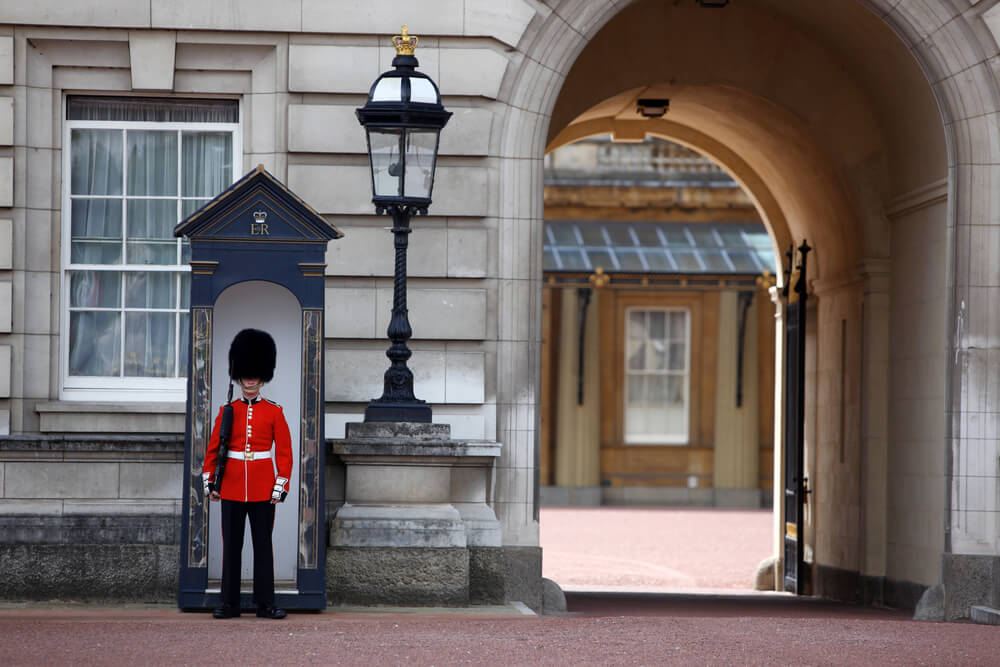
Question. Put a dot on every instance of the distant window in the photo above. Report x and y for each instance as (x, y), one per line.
(133, 168)
(657, 375)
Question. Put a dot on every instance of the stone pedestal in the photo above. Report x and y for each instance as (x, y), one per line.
(417, 526)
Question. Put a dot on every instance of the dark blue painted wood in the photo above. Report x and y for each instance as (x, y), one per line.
(256, 230)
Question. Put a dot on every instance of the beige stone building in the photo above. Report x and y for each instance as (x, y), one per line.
(655, 264)
(867, 127)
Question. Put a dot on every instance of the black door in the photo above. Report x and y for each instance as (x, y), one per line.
(796, 484)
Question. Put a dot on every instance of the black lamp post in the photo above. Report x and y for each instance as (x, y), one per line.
(402, 117)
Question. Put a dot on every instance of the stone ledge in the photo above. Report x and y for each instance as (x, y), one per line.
(81, 529)
(399, 439)
(45, 442)
(398, 430)
(90, 417)
(985, 615)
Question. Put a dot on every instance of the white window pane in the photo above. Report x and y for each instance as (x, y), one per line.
(150, 237)
(636, 355)
(636, 324)
(635, 390)
(95, 342)
(206, 163)
(675, 392)
(189, 206)
(185, 295)
(657, 325)
(152, 163)
(149, 344)
(96, 231)
(95, 289)
(96, 162)
(657, 356)
(657, 386)
(150, 290)
(184, 343)
(678, 357)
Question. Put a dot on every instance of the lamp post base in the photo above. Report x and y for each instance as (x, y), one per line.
(398, 411)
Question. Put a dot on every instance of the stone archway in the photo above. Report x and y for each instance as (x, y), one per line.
(909, 171)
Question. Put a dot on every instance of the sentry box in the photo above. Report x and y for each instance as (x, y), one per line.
(258, 256)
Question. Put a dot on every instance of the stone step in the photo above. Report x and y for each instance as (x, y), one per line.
(985, 615)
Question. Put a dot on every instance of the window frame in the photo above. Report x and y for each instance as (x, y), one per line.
(684, 437)
(701, 363)
(124, 388)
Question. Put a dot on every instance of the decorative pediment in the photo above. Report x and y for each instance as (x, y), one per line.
(258, 208)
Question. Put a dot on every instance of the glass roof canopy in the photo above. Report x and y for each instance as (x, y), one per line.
(657, 247)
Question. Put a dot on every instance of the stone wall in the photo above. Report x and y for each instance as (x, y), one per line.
(90, 517)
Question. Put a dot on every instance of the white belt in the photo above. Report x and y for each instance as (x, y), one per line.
(249, 456)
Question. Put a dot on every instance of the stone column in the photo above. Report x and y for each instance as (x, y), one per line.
(874, 415)
(577, 453)
(736, 457)
(779, 432)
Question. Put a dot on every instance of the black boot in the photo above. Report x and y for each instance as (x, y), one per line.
(271, 612)
(225, 611)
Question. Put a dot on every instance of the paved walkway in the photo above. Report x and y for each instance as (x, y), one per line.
(647, 549)
(605, 629)
(601, 628)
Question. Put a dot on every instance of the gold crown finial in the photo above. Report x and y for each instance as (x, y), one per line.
(405, 43)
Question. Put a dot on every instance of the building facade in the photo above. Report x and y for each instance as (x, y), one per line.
(657, 331)
(867, 127)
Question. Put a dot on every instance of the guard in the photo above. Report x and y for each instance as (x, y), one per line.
(240, 470)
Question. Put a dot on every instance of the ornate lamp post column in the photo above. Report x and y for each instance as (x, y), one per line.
(402, 118)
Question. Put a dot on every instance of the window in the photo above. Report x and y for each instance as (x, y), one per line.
(657, 375)
(133, 168)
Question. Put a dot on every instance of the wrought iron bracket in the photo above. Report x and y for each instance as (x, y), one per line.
(745, 301)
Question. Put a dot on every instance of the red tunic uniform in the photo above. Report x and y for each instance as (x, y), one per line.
(249, 477)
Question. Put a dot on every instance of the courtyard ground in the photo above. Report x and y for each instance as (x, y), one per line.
(654, 548)
(616, 564)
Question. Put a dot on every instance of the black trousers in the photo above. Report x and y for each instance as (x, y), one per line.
(234, 521)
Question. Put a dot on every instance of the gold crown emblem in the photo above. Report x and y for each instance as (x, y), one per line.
(260, 216)
(405, 43)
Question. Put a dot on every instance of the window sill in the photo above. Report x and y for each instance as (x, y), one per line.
(90, 417)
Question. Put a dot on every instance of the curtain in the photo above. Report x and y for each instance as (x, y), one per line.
(152, 109)
(207, 158)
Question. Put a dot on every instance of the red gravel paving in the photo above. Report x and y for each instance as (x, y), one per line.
(663, 548)
(638, 548)
(80, 637)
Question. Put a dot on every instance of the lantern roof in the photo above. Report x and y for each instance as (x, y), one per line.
(404, 97)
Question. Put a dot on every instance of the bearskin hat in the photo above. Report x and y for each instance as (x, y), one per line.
(252, 354)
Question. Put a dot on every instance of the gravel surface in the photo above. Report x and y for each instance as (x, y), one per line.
(639, 548)
(721, 633)
(642, 550)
